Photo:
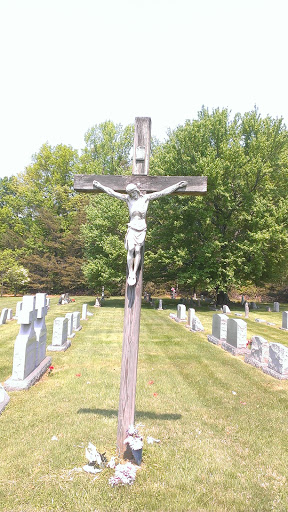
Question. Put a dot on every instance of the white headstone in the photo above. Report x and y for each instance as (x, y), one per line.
(84, 312)
(60, 332)
(24, 360)
(260, 349)
(40, 327)
(219, 326)
(160, 307)
(236, 333)
(48, 302)
(226, 309)
(69, 316)
(196, 324)
(246, 310)
(276, 307)
(285, 320)
(278, 358)
(3, 316)
(18, 308)
(191, 313)
(181, 312)
(9, 314)
(76, 321)
(97, 303)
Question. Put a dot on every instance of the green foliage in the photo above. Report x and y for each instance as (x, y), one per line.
(41, 220)
(104, 234)
(17, 278)
(238, 232)
(108, 149)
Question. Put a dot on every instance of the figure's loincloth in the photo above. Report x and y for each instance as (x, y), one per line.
(134, 237)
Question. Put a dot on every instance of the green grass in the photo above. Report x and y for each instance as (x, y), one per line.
(218, 452)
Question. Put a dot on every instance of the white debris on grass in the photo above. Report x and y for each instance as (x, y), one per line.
(54, 438)
(151, 440)
(91, 469)
(125, 474)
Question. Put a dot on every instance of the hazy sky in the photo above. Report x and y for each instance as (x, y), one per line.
(67, 65)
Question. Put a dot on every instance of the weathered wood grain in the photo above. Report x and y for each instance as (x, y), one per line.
(132, 312)
(197, 185)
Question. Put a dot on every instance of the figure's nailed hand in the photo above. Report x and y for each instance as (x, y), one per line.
(183, 184)
(96, 184)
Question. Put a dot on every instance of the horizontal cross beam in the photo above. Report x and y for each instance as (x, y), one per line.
(196, 185)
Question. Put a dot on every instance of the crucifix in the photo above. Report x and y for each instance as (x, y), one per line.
(136, 190)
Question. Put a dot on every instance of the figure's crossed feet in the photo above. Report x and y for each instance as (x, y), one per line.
(131, 279)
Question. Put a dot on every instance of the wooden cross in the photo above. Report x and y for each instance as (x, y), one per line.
(196, 185)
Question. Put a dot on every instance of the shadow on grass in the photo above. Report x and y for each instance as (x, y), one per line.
(139, 414)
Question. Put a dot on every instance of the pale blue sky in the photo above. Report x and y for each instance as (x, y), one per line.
(67, 65)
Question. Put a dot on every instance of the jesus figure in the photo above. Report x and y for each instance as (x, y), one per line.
(136, 232)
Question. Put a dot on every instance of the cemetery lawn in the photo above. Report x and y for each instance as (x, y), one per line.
(222, 423)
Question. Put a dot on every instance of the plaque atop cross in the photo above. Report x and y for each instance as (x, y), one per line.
(136, 190)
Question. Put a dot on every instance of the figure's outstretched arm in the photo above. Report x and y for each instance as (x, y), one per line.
(109, 191)
(166, 191)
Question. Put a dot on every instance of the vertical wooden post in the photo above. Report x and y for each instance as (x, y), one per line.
(133, 297)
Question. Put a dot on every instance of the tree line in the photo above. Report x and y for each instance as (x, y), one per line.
(55, 240)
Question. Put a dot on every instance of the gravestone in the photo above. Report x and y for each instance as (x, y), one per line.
(219, 329)
(4, 398)
(9, 314)
(236, 336)
(97, 303)
(26, 371)
(181, 313)
(160, 306)
(60, 341)
(40, 327)
(84, 312)
(278, 361)
(191, 313)
(242, 300)
(254, 305)
(3, 316)
(18, 308)
(259, 352)
(285, 320)
(196, 325)
(70, 332)
(48, 302)
(276, 307)
(246, 310)
(76, 321)
(226, 310)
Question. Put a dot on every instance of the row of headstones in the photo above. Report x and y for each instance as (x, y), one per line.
(7, 314)
(29, 360)
(231, 334)
(64, 329)
(194, 324)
